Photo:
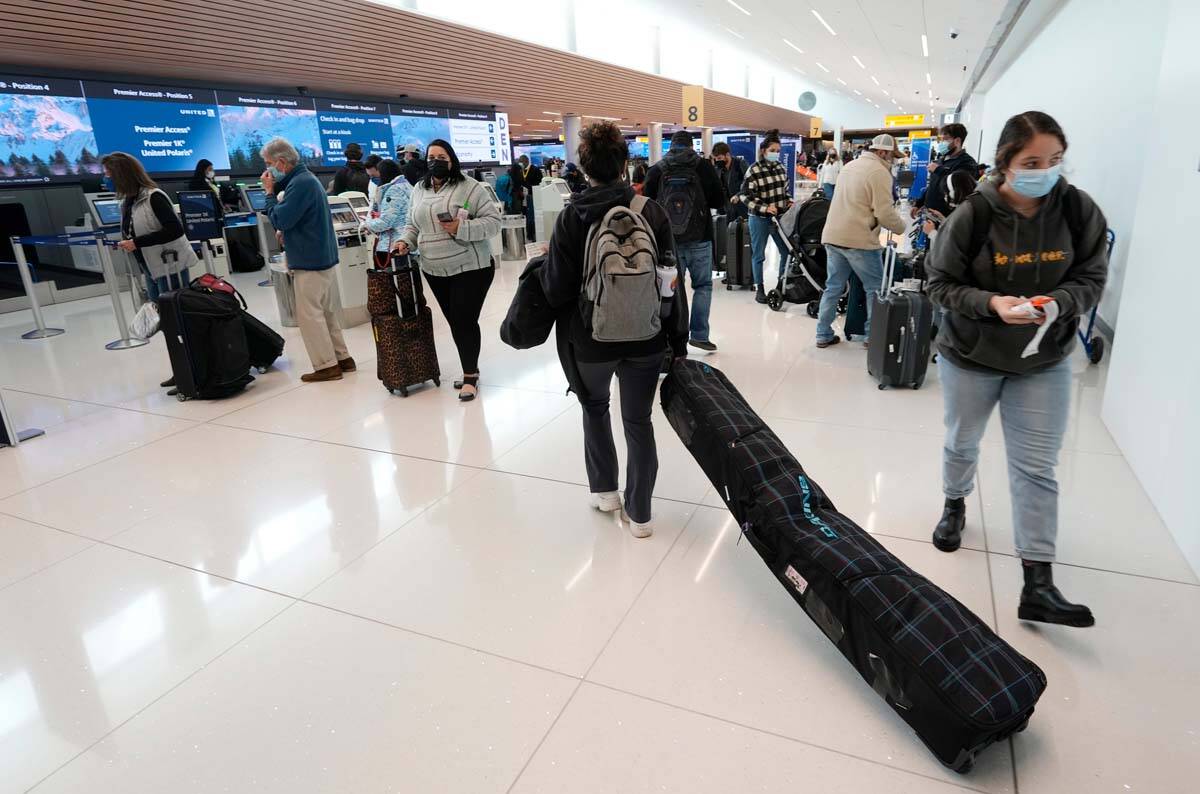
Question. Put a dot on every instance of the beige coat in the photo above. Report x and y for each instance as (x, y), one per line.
(861, 204)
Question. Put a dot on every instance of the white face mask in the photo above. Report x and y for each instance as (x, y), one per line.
(210, 175)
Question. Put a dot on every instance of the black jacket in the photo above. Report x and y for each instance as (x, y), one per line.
(562, 280)
(731, 181)
(352, 176)
(937, 195)
(710, 182)
(415, 170)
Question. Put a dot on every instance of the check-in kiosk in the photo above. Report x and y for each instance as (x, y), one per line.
(549, 199)
(360, 202)
(354, 259)
(104, 212)
(254, 198)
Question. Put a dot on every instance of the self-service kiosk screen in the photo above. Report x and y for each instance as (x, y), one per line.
(358, 202)
(257, 197)
(108, 211)
(343, 213)
(563, 188)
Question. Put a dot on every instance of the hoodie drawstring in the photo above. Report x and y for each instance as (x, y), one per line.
(1012, 270)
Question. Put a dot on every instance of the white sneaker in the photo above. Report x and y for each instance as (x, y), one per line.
(636, 529)
(608, 502)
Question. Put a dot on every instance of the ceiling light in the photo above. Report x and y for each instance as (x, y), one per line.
(931, 93)
(551, 113)
(843, 82)
(820, 19)
(860, 63)
(885, 93)
(928, 79)
(515, 125)
(801, 71)
(734, 32)
(738, 7)
(925, 44)
(793, 46)
(858, 92)
(823, 66)
(874, 80)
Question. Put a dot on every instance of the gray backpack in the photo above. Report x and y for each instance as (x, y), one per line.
(620, 299)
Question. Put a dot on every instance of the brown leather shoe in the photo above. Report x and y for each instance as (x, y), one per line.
(329, 373)
(347, 365)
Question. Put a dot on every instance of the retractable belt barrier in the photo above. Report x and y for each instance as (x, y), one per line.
(95, 238)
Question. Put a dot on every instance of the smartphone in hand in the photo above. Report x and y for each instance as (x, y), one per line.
(445, 217)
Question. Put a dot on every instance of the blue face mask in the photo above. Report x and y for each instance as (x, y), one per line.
(772, 157)
(276, 174)
(1035, 182)
(943, 147)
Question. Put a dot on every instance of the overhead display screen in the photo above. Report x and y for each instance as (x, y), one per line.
(45, 131)
(417, 126)
(342, 122)
(250, 120)
(168, 129)
(55, 130)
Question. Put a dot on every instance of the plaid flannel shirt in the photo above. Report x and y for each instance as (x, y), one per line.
(766, 184)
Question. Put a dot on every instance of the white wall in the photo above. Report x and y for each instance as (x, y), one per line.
(1094, 67)
(1152, 399)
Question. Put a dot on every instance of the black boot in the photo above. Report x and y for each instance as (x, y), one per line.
(1041, 601)
(760, 295)
(168, 383)
(947, 536)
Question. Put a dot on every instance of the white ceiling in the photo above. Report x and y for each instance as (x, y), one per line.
(884, 34)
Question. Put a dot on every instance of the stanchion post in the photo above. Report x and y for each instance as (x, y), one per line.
(41, 332)
(10, 436)
(209, 267)
(114, 291)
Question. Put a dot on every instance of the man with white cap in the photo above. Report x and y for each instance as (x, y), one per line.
(861, 204)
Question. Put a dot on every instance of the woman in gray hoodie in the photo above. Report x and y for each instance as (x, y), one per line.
(1026, 235)
(451, 217)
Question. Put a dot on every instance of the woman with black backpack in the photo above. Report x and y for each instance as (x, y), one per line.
(1014, 266)
(648, 325)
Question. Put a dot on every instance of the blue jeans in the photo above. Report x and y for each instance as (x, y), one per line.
(697, 259)
(760, 229)
(828, 188)
(867, 264)
(157, 286)
(1033, 413)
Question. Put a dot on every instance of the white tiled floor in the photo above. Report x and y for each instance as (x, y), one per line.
(328, 588)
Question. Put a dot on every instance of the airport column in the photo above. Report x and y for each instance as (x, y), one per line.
(706, 143)
(837, 141)
(571, 124)
(655, 134)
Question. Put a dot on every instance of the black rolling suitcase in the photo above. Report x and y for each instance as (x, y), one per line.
(738, 272)
(720, 241)
(402, 323)
(206, 342)
(901, 332)
(263, 343)
(940, 667)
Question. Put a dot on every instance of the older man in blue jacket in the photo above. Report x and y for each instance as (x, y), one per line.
(302, 217)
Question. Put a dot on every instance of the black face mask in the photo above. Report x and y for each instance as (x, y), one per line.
(439, 169)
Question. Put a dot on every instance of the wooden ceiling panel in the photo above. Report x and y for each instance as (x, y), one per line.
(305, 43)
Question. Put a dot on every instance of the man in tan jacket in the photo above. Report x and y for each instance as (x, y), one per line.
(861, 204)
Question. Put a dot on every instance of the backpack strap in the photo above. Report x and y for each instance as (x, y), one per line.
(981, 225)
(1073, 215)
(638, 204)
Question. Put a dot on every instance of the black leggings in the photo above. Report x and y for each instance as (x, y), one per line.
(461, 300)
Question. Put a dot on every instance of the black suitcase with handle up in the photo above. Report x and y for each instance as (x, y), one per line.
(898, 348)
(940, 667)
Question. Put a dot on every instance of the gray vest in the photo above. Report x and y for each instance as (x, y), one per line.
(162, 260)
